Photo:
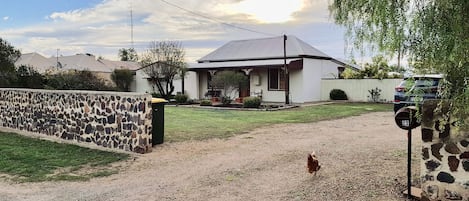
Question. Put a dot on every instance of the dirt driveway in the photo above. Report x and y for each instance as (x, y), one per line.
(363, 158)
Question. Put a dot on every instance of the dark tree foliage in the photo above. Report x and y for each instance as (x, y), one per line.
(28, 77)
(77, 80)
(8, 57)
(128, 54)
(122, 78)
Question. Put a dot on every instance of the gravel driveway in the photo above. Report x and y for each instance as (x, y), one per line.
(363, 158)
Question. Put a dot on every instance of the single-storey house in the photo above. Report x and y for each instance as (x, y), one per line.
(262, 61)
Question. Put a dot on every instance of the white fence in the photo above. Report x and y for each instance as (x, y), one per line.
(358, 89)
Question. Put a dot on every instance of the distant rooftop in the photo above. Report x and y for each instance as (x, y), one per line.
(74, 62)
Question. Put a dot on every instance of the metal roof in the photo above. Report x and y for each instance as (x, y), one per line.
(263, 48)
(82, 62)
(231, 64)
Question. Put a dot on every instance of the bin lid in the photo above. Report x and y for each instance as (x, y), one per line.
(158, 100)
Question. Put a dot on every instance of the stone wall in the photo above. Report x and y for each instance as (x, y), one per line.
(108, 119)
(445, 164)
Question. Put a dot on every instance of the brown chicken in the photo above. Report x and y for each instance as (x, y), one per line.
(313, 163)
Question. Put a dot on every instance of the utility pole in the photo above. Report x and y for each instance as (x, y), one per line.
(131, 28)
(57, 64)
(285, 68)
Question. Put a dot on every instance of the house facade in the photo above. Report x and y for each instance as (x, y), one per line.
(262, 61)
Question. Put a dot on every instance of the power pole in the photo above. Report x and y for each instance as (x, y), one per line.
(285, 67)
(131, 27)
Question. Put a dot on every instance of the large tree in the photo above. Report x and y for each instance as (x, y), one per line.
(8, 57)
(162, 62)
(433, 34)
(128, 54)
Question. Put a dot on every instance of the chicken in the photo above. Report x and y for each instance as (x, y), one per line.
(313, 163)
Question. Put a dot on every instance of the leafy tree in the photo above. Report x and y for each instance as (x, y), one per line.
(122, 78)
(128, 54)
(8, 56)
(230, 81)
(432, 33)
(28, 77)
(162, 62)
(352, 74)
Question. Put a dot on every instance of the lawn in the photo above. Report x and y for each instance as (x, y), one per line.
(182, 123)
(25, 159)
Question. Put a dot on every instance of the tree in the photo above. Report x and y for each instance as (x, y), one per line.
(230, 81)
(8, 56)
(432, 34)
(162, 62)
(28, 77)
(122, 78)
(128, 54)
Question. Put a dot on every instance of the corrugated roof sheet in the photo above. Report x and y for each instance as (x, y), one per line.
(229, 64)
(82, 62)
(264, 48)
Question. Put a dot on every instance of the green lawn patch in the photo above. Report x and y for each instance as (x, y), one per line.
(26, 159)
(183, 123)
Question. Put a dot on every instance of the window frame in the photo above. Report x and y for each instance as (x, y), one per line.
(281, 82)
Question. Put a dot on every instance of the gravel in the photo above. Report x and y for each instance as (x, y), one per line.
(362, 157)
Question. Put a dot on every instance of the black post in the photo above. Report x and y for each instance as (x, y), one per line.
(285, 67)
(409, 161)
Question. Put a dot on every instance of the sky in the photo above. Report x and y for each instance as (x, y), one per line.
(102, 27)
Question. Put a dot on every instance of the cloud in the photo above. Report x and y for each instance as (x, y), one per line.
(6, 18)
(202, 27)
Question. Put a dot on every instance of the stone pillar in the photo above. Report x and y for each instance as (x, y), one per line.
(445, 154)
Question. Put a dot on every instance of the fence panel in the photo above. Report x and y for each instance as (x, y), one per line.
(358, 89)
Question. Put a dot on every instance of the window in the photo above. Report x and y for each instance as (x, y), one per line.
(276, 79)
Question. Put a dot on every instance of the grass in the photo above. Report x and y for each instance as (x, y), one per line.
(182, 124)
(26, 159)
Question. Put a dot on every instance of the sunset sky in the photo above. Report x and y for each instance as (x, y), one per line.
(102, 27)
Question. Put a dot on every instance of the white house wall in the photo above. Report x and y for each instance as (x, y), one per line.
(191, 85)
(313, 71)
(141, 83)
(296, 87)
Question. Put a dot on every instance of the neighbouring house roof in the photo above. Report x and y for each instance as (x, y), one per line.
(77, 62)
(260, 52)
(37, 61)
(81, 62)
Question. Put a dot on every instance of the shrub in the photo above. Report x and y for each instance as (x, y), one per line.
(181, 98)
(226, 100)
(337, 94)
(251, 102)
(77, 80)
(205, 103)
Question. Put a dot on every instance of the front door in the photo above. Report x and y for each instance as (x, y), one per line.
(244, 90)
